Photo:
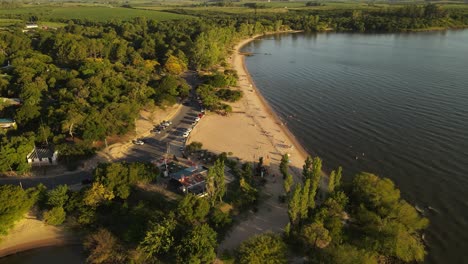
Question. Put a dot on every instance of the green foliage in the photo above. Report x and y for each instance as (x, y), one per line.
(192, 209)
(219, 219)
(55, 216)
(175, 65)
(315, 235)
(347, 254)
(13, 152)
(57, 197)
(193, 147)
(294, 205)
(215, 182)
(197, 246)
(229, 95)
(14, 203)
(117, 178)
(390, 223)
(284, 165)
(288, 182)
(265, 248)
(159, 238)
(331, 181)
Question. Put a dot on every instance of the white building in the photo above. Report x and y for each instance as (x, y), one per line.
(42, 156)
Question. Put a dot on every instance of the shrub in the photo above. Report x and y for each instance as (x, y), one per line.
(55, 216)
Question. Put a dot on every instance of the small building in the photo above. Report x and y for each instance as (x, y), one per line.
(10, 101)
(31, 26)
(42, 156)
(191, 180)
(7, 123)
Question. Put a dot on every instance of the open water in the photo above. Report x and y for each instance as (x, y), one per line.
(392, 104)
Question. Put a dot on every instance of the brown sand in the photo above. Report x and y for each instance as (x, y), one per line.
(30, 233)
(253, 130)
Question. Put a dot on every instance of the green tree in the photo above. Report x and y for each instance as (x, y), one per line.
(331, 181)
(192, 209)
(288, 182)
(265, 248)
(197, 246)
(97, 194)
(338, 177)
(159, 238)
(347, 254)
(215, 182)
(57, 197)
(304, 204)
(55, 216)
(294, 205)
(14, 203)
(389, 223)
(284, 164)
(315, 235)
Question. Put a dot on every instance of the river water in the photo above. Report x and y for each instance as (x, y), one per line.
(392, 104)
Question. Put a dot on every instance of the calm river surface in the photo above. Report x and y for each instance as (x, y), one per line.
(392, 104)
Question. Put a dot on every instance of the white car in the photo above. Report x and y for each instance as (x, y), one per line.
(197, 119)
(188, 129)
(138, 142)
(186, 134)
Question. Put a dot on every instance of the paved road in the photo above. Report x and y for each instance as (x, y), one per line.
(156, 146)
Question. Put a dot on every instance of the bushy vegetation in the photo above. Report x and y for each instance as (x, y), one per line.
(361, 222)
(15, 202)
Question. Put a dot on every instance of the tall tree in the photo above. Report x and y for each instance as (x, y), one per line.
(264, 248)
(294, 205)
(331, 181)
(198, 245)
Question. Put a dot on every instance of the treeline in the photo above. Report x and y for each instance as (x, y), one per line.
(83, 83)
(365, 221)
(390, 19)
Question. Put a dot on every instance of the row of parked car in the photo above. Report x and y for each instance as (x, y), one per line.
(163, 126)
(189, 129)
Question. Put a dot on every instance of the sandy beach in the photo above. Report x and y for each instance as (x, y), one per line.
(30, 233)
(253, 130)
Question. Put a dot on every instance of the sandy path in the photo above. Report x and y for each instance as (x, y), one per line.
(250, 132)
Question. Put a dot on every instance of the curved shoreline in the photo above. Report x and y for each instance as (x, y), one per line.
(43, 243)
(265, 103)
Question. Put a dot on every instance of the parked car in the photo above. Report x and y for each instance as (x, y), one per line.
(186, 134)
(188, 129)
(197, 119)
(138, 142)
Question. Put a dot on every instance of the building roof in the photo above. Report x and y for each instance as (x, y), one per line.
(12, 101)
(185, 173)
(7, 120)
(41, 153)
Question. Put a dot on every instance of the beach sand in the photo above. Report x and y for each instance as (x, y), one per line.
(253, 130)
(30, 233)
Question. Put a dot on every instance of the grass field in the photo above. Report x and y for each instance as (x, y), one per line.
(94, 13)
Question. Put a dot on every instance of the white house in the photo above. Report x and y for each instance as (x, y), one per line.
(42, 156)
(7, 123)
(31, 26)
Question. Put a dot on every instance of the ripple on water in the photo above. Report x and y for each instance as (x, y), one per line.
(392, 104)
